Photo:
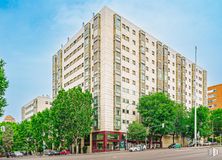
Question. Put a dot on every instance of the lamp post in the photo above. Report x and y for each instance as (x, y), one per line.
(195, 107)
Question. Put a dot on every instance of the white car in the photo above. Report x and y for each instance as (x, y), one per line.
(18, 154)
(134, 149)
(206, 143)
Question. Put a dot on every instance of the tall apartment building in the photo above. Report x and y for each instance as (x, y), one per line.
(118, 62)
(57, 73)
(215, 96)
(36, 105)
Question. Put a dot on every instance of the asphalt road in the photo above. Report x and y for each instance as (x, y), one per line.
(161, 154)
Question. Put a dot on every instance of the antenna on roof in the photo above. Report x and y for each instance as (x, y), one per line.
(93, 14)
(83, 24)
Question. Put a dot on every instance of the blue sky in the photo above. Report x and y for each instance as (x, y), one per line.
(32, 31)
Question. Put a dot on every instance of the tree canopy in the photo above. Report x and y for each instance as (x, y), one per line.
(157, 109)
(136, 131)
(203, 122)
(3, 87)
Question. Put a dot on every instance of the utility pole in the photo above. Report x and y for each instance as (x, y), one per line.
(195, 107)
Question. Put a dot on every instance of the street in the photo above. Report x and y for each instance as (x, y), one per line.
(161, 154)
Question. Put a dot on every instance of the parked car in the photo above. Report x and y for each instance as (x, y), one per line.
(135, 148)
(171, 146)
(18, 154)
(213, 143)
(206, 143)
(192, 144)
(52, 153)
(64, 152)
(10, 154)
(142, 147)
(46, 152)
(174, 145)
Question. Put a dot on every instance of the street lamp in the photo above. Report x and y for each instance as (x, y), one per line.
(195, 107)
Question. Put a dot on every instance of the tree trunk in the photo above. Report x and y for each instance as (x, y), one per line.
(183, 140)
(151, 142)
(173, 137)
(76, 145)
(161, 142)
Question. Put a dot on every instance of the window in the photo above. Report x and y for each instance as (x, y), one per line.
(118, 89)
(127, 28)
(134, 52)
(124, 26)
(134, 82)
(153, 43)
(134, 72)
(125, 37)
(134, 42)
(134, 112)
(118, 100)
(127, 111)
(134, 62)
(153, 53)
(134, 32)
(123, 110)
(134, 103)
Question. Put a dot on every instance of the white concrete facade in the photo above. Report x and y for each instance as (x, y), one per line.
(75, 69)
(36, 105)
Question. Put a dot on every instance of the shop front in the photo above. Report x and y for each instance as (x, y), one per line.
(105, 141)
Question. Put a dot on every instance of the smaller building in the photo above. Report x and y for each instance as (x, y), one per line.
(9, 118)
(36, 105)
(215, 97)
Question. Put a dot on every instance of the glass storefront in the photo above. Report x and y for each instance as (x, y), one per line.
(99, 146)
(107, 141)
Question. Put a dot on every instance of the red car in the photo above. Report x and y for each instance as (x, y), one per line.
(64, 152)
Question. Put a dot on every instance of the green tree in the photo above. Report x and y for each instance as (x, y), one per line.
(3, 87)
(23, 140)
(203, 122)
(47, 128)
(181, 121)
(216, 121)
(37, 131)
(59, 112)
(72, 112)
(136, 131)
(156, 109)
(7, 137)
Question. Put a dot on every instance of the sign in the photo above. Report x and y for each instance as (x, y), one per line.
(213, 152)
(122, 144)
